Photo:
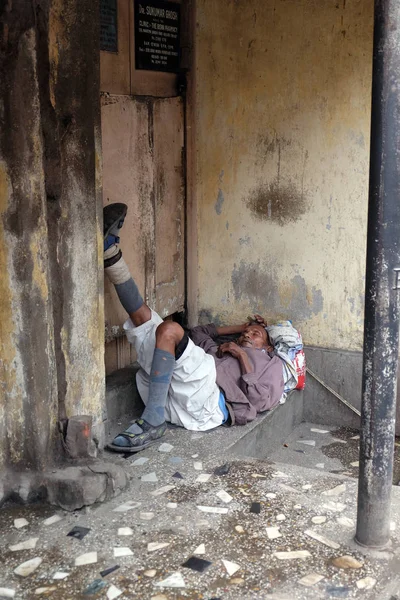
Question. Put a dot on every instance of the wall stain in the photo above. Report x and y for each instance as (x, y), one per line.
(219, 202)
(278, 202)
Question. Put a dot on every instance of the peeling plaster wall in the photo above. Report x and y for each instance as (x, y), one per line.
(51, 306)
(282, 116)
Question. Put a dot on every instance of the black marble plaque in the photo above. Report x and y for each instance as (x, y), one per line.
(157, 35)
(108, 26)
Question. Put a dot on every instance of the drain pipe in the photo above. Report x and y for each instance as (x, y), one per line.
(382, 287)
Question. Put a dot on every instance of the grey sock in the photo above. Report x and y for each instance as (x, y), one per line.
(160, 378)
(129, 295)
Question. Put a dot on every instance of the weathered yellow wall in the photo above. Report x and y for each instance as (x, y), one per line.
(282, 147)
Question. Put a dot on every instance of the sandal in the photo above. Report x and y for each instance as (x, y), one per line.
(138, 436)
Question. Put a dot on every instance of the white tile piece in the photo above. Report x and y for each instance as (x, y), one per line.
(120, 551)
(291, 555)
(162, 490)
(45, 590)
(297, 507)
(224, 496)
(149, 477)
(26, 545)
(195, 455)
(280, 517)
(322, 539)
(125, 531)
(140, 461)
(28, 567)
(273, 533)
(113, 592)
(280, 474)
(172, 505)
(52, 520)
(127, 506)
(336, 491)
(203, 477)
(318, 520)
(258, 476)
(366, 584)
(306, 442)
(356, 463)
(319, 430)
(152, 546)
(271, 495)
(200, 549)
(198, 466)
(311, 579)
(345, 522)
(18, 524)
(320, 465)
(147, 516)
(165, 447)
(334, 506)
(7, 592)
(197, 436)
(60, 575)
(89, 558)
(355, 437)
(159, 597)
(150, 573)
(392, 526)
(230, 567)
(307, 486)
(338, 441)
(175, 580)
(218, 510)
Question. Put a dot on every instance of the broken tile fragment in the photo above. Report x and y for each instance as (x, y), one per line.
(271, 495)
(52, 520)
(89, 558)
(239, 529)
(367, 583)
(258, 476)
(78, 532)
(334, 506)
(319, 430)
(200, 549)
(26, 545)
(297, 507)
(236, 581)
(109, 570)
(197, 564)
(255, 508)
(355, 437)
(146, 516)
(280, 517)
(165, 447)
(345, 521)
(291, 555)
(222, 470)
(152, 546)
(230, 567)
(94, 587)
(356, 463)
(318, 520)
(322, 539)
(311, 579)
(177, 475)
(150, 573)
(113, 592)
(120, 551)
(224, 496)
(337, 591)
(198, 466)
(346, 562)
(140, 461)
(203, 477)
(320, 465)
(218, 510)
(18, 524)
(127, 506)
(149, 477)
(175, 460)
(58, 575)
(279, 474)
(195, 455)
(338, 441)
(392, 526)
(244, 492)
(125, 531)
(172, 505)
(28, 567)
(45, 591)
(307, 486)
(162, 490)
(306, 442)
(159, 597)
(7, 592)
(175, 580)
(336, 491)
(273, 533)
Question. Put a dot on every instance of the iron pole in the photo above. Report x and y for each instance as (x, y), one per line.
(382, 288)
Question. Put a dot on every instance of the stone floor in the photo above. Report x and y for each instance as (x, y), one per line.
(238, 525)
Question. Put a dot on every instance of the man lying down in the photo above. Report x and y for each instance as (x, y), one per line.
(189, 381)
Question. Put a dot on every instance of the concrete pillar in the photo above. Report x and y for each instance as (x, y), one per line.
(51, 275)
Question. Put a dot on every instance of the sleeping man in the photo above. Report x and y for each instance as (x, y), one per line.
(191, 381)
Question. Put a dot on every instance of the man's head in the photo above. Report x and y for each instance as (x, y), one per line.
(254, 336)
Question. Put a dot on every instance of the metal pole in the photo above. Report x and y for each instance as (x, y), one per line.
(382, 288)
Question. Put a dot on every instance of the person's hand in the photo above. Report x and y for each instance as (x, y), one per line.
(231, 348)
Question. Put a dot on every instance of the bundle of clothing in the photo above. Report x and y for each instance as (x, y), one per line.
(288, 345)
